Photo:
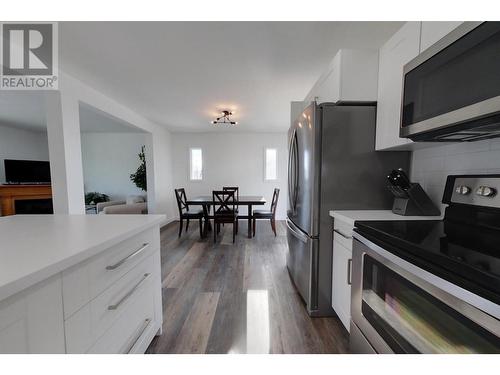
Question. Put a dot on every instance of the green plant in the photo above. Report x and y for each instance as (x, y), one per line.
(139, 177)
(94, 198)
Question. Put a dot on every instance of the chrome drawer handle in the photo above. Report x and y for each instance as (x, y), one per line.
(349, 271)
(128, 257)
(342, 234)
(143, 328)
(130, 292)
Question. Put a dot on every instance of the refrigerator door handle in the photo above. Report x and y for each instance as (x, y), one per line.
(292, 171)
(296, 232)
(296, 183)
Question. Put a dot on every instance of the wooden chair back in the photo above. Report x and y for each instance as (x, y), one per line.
(224, 202)
(180, 196)
(236, 190)
(274, 202)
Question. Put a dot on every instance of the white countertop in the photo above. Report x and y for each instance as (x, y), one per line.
(350, 216)
(36, 247)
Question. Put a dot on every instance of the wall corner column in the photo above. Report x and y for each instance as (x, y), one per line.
(65, 153)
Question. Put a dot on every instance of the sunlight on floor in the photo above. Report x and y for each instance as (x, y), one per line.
(258, 339)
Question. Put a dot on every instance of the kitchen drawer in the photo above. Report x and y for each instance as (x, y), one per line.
(87, 280)
(133, 330)
(342, 233)
(85, 326)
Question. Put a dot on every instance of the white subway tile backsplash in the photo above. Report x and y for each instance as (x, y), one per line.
(435, 192)
(433, 164)
(430, 167)
(468, 161)
(467, 147)
(435, 178)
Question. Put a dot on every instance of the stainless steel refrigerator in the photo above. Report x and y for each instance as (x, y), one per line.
(332, 165)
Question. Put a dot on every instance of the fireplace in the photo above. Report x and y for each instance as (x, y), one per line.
(25, 199)
(33, 207)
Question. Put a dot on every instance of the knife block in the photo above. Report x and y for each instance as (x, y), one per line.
(412, 202)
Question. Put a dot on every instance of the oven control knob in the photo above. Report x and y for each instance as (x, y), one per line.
(486, 191)
(462, 190)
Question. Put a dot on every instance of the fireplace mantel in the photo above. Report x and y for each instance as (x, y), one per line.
(10, 193)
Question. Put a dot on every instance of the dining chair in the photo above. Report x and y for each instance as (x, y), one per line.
(185, 214)
(225, 212)
(267, 215)
(236, 190)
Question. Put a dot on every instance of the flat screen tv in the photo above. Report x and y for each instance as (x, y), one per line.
(27, 171)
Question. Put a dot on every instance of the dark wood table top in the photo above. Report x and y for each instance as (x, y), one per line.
(242, 200)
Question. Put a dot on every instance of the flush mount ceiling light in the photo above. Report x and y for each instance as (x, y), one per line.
(224, 119)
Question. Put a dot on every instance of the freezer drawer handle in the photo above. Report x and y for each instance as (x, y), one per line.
(342, 234)
(349, 271)
(296, 234)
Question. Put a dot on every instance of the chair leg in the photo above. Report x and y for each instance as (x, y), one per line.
(200, 221)
(180, 228)
(187, 225)
(235, 227)
(254, 222)
(273, 226)
(215, 232)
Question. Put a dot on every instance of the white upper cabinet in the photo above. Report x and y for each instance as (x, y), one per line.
(406, 44)
(351, 76)
(394, 54)
(432, 31)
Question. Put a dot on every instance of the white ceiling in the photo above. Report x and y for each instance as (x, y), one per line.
(22, 109)
(26, 110)
(92, 120)
(182, 74)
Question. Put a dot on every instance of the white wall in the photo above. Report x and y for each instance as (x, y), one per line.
(430, 166)
(108, 160)
(232, 159)
(63, 126)
(21, 144)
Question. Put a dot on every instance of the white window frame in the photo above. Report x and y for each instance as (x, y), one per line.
(265, 164)
(191, 164)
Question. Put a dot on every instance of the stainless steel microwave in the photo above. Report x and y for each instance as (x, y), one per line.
(451, 91)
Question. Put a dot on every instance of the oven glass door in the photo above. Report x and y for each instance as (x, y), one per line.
(464, 73)
(411, 320)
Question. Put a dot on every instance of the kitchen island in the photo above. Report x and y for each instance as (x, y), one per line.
(79, 283)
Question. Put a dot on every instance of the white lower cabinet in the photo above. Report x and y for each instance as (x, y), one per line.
(32, 320)
(341, 282)
(109, 303)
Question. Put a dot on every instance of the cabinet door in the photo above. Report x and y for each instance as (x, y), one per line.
(432, 31)
(32, 321)
(341, 284)
(394, 54)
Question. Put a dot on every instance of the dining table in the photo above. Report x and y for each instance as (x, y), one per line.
(243, 200)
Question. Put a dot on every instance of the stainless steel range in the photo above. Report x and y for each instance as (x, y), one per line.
(431, 286)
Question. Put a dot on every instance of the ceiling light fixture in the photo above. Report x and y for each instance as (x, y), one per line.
(224, 119)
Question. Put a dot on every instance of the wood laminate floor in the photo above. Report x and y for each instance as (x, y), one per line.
(236, 298)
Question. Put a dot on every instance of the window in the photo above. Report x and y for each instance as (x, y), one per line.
(195, 164)
(270, 164)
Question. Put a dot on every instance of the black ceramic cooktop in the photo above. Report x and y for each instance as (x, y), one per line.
(466, 255)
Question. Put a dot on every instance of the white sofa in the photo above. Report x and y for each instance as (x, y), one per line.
(135, 204)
